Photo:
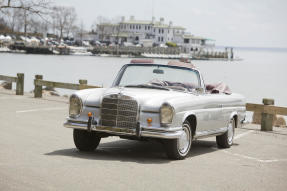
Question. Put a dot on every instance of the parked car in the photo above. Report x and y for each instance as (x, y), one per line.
(147, 101)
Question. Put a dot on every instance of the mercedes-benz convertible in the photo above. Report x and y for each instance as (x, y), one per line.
(169, 103)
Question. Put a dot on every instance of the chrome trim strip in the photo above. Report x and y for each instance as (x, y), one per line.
(204, 134)
(125, 131)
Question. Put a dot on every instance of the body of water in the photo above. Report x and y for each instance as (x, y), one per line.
(261, 74)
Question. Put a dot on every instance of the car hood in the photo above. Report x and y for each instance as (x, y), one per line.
(149, 99)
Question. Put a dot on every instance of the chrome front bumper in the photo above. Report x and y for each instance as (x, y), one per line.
(142, 132)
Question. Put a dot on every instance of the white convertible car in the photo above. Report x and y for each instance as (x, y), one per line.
(154, 101)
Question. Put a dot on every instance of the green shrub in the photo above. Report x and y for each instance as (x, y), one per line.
(171, 44)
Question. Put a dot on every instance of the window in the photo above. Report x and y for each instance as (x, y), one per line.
(186, 41)
(140, 27)
(158, 39)
(161, 39)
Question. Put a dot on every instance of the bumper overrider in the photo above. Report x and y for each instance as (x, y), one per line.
(138, 132)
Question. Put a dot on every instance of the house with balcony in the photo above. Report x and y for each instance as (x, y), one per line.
(140, 31)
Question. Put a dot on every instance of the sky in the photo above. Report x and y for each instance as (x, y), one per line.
(245, 23)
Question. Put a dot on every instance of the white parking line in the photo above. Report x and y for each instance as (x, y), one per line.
(42, 109)
(253, 158)
(249, 157)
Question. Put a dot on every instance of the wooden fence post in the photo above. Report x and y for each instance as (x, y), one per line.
(20, 84)
(38, 89)
(8, 85)
(266, 118)
(83, 83)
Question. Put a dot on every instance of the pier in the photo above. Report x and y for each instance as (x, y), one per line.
(133, 51)
(32, 49)
(161, 52)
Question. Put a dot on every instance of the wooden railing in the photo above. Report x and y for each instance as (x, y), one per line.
(268, 111)
(19, 80)
(39, 83)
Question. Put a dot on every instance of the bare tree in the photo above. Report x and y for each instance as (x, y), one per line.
(13, 17)
(33, 6)
(99, 26)
(81, 32)
(21, 14)
(3, 25)
(71, 21)
(64, 19)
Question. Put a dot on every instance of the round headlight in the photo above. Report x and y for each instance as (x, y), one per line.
(75, 106)
(166, 114)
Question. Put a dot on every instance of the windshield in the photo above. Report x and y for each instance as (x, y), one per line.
(159, 76)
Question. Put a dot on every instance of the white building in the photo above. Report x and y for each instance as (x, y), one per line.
(195, 43)
(139, 31)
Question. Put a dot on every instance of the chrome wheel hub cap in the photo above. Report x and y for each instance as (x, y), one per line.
(230, 132)
(184, 141)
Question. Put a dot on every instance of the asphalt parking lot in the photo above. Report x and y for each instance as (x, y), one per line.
(38, 153)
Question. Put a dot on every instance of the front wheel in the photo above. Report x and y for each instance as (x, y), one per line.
(86, 141)
(226, 140)
(179, 148)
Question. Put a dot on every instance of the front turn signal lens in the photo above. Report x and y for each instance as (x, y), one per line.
(149, 120)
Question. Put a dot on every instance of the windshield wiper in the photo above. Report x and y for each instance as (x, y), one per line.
(147, 86)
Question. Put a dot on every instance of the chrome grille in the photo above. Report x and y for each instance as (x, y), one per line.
(119, 111)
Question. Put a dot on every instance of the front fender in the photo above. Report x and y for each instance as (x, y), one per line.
(234, 113)
(186, 115)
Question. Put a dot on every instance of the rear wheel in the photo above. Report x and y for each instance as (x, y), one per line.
(86, 141)
(179, 148)
(226, 140)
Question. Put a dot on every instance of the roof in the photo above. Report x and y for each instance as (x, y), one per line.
(178, 27)
(193, 37)
(157, 24)
(137, 22)
(108, 24)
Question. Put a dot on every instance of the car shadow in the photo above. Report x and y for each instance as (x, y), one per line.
(145, 152)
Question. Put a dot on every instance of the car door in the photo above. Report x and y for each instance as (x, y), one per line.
(210, 116)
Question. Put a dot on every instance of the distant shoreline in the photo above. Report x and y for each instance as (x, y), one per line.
(275, 49)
